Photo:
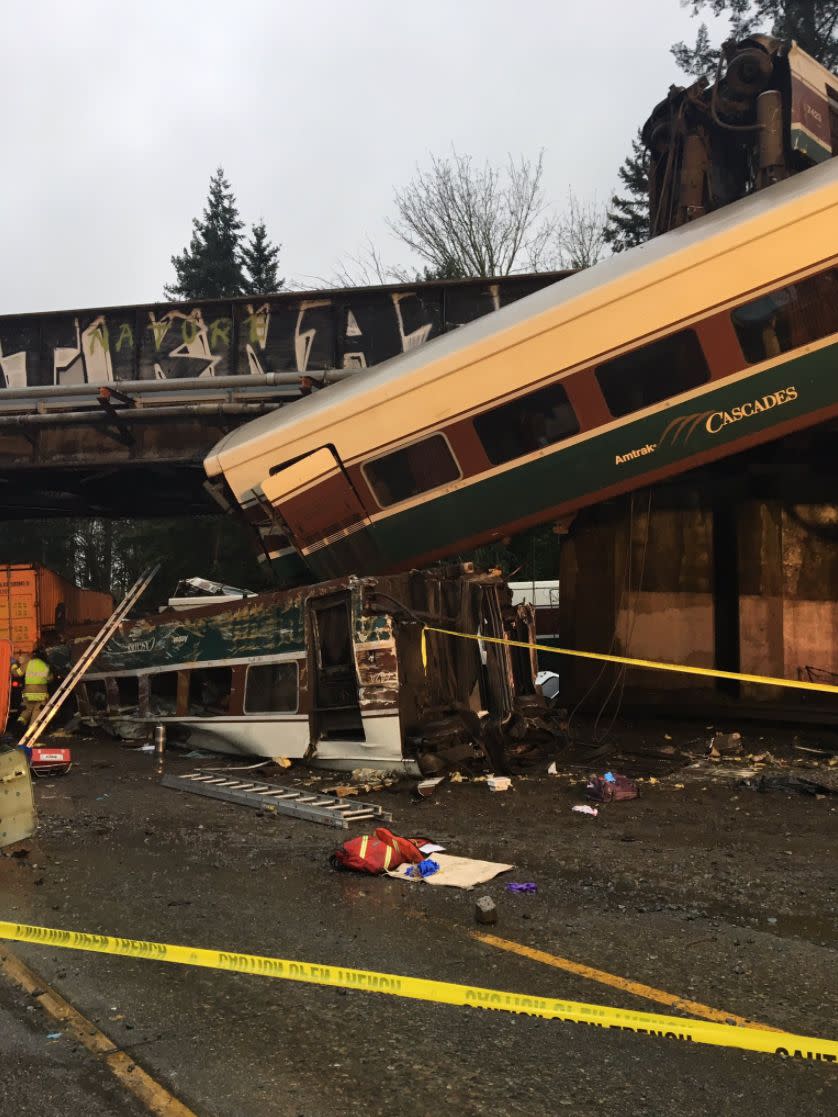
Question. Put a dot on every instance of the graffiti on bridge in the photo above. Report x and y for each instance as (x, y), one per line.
(279, 333)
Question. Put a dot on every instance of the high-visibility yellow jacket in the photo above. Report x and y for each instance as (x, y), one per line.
(35, 683)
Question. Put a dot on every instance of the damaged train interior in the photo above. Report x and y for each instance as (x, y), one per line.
(347, 674)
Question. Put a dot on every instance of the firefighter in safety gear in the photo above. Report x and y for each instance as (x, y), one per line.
(35, 687)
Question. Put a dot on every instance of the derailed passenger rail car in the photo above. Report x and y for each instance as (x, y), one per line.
(333, 672)
(710, 339)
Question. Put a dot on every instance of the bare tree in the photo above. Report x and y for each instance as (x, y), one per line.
(363, 268)
(580, 233)
(466, 220)
(462, 220)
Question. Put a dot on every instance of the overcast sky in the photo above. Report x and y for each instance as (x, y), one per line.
(115, 115)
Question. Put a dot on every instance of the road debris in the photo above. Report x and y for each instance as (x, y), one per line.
(456, 872)
(725, 744)
(583, 808)
(526, 886)
(364, 780)
(547, 682)
(485, 911)
(788, 782)
(375, 853)
(611, 788)
(499, 783)
(423, 869)
(425, 788)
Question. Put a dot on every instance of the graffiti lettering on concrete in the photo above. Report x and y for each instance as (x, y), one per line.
(279, 333)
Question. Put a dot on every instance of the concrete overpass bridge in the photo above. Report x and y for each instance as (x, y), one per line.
(110, 411)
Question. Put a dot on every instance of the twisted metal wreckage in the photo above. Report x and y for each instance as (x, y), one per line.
(333, 673)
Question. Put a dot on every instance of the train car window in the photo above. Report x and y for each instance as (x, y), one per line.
(412, 470)
(209, 691)
(788, 318)
(162, 693)
(93, 696)
(271, 688)
(658, 371)
(528, 423)
(129, 692)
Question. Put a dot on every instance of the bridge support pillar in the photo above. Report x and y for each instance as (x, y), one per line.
(706, 575)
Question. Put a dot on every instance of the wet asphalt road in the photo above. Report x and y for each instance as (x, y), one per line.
(725, 896)
(41, 1076)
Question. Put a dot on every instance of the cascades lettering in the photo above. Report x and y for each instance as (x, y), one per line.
(718, 420)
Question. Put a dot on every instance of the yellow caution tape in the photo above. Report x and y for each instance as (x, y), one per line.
(440, 992)
(649, 664)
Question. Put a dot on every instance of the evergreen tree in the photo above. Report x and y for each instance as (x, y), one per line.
(261, 260)
(812, 23)
(627, 217)
(110, 555)
(447, 269)
(700, 60)
(211, 267)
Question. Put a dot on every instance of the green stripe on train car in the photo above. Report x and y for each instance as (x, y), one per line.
(665, 438)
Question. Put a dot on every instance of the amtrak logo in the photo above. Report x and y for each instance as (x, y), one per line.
(640, 452)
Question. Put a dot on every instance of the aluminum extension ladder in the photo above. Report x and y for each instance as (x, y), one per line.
(54, 702)
(315, 807)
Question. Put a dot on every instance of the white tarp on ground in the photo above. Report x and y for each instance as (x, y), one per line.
(458, 872)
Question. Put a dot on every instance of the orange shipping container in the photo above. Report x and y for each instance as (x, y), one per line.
(5, 681)
(36, 603)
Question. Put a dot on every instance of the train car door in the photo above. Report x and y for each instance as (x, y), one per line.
(321, 511)
(335, 708)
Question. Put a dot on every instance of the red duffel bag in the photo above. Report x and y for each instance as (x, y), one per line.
(376, 853)
(611, 788)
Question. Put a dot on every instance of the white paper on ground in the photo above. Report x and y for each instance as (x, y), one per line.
(457, 872)
(430, 847)
(499, 783)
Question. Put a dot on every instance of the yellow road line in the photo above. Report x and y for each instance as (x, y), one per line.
(648, 664)
(155, 1097)
(696, 1008)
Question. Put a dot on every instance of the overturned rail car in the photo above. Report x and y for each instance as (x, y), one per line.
(709, 339)
(772, 111)
(332, 673)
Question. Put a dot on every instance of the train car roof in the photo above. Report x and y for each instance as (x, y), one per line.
(664, 256)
